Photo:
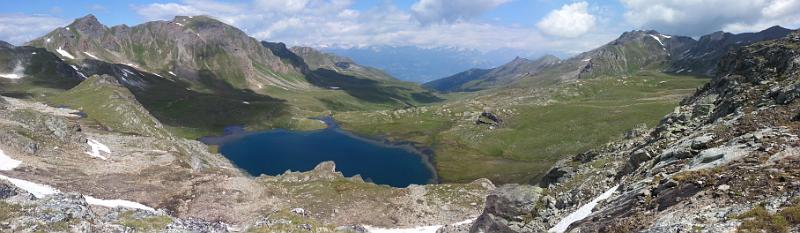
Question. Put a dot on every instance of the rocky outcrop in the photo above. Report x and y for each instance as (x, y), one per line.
(508, 205)
(729, 148)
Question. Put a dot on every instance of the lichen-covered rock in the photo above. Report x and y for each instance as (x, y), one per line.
(509, 208)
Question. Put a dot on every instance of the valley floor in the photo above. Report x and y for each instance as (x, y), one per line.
(540, 126)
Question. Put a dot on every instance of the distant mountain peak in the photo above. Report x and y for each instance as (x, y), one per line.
(87, 19)
(776, 28)
(87, 24)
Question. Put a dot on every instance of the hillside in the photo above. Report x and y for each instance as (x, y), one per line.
(28, 72)
(190, 48)
(199, 75)
(111, 168)
(630, 53)
(725, 160)
(477, 79)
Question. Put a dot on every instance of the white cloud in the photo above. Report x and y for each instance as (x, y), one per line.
(700, 17)
(435, 11)
(20, 28)
(572, 20)
(284, 5)
(334, 23)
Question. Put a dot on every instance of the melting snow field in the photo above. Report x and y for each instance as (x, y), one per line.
(38, 190)
(64, 53)
(582, 212)
(17, 73)
(657, 39)
(92, 56)
(97, 147)
(423, 229)
(7, 163)
(117, 203)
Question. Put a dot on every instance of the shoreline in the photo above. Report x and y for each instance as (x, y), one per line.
(426, 154)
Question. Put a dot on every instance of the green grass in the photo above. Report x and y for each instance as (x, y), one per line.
(582, 116)
(8, 211)
(112, 106)
(759, 219)
(147, 224)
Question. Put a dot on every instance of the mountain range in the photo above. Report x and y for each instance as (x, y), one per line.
(201, 65)
(416, 64)
(631, 52)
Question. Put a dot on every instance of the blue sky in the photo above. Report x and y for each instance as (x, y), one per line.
(532, 26)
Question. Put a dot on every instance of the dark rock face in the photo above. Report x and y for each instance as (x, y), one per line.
(37, 67)
(508, 208)
(488, 118)
(702, 58)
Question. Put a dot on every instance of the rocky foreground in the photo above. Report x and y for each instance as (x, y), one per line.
(725, 160)
(60, 172)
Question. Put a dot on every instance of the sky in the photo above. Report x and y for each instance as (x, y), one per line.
(529, 26)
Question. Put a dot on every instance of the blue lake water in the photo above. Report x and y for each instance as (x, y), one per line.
(275, 151)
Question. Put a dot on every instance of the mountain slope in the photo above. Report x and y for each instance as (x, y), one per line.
(32, 72)
(631, 52)
(703, 57)
(420, 65)
(725, 160)
(477, 79)
(189, 48)
(319, 60)
(198, 75)
(105, 100)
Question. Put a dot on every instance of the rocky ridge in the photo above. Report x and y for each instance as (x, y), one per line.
(185, 48)
(726, 159)
(633, 51)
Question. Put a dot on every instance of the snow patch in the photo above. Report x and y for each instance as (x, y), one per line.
(64, 53)
(47, 40)
(78, 71)
(126, 72)
(657, 39)
(587, 59)
(425, 229)
(7, 163)
(582, 212)
(172, 73)
(665, 36)
(179, 24)
(17, 73)
(41, 190)
(245, 102)
(38, 190)
(97, 147)
(117, 203)
(422, 229)
(92, 56)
